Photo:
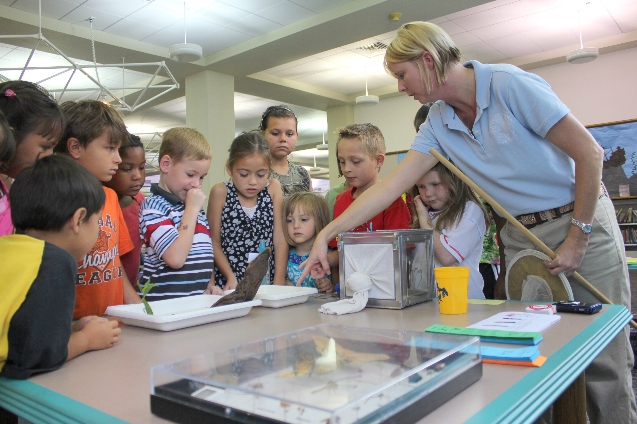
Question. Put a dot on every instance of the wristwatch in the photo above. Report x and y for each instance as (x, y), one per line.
(586, 228)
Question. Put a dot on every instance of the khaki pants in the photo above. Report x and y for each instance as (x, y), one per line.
(609, 395)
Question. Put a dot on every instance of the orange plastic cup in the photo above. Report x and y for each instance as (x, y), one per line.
(453, 289)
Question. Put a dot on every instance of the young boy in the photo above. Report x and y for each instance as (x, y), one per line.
(55, 206)
(94, 131)
(179, 257)
(361, 152)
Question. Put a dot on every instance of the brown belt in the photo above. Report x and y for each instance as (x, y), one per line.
(536, 218)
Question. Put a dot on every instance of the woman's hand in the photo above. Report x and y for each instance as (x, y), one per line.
(316, 264)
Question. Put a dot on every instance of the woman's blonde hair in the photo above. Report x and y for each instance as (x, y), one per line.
(415, 38)
(459, 194)
(313, 205)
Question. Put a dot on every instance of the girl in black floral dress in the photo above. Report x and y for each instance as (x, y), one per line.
(246, 210)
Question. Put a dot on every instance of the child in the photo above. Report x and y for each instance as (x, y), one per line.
(279, 125)
(179, 256)
(459, 220)
(127, 183)
(7, 148)
(245, 211)
(56, 205)
(94, 131)
(306, 215)
(361, 153)
(37, 123)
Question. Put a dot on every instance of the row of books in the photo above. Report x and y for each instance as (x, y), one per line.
(628, 216)
(629, 234)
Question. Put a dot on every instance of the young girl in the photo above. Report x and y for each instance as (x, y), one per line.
(279, 125)
(127, 183)
(37, 124)
(306, 215)
(449, 207)
(246, 210)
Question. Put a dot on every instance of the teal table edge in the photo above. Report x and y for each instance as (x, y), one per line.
(38, 404)
(523, 402)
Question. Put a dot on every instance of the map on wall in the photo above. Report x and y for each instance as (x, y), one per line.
(619, 141)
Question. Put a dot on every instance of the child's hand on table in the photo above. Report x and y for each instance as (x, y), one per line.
(213, 289)
(324, 285)
(101, 333)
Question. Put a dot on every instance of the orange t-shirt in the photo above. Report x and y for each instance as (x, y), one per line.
(99, 274)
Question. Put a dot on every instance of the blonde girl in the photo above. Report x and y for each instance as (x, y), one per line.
(459, 220)
(306, 214)
(245, 211)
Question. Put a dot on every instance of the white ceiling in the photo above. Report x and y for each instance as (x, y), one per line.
(269, 47)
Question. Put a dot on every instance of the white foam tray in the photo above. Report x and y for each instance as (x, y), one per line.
(280, 296)
(183, 312)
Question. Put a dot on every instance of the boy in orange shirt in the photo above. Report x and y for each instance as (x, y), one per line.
(93, 134)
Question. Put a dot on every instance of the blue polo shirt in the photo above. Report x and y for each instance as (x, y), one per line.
(507, 156)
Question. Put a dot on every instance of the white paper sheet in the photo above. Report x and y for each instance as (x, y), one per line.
(517, 321)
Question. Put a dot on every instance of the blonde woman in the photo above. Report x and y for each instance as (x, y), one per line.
(509, 132)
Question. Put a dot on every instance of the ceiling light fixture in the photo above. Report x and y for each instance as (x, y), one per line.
(322, 146)
(367, 100)
(185, 52)
(583, 54)
(95, 88)
(394, 16)
(315, 168)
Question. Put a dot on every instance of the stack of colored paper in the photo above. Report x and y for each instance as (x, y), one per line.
(527, 356)
(493, 336)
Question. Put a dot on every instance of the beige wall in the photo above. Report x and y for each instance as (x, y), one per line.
(604, 90)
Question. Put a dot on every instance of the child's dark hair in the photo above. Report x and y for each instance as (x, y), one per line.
(459, 194)
(7, 143)
(29, 108)
(86, 120)
(280, 111)
(133, 141)
(313, 205)
(46, 195)
(421, 115)
(246, 144)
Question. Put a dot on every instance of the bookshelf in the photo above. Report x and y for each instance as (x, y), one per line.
(626, 212)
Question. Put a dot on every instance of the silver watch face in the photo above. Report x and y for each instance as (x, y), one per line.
(587, 228)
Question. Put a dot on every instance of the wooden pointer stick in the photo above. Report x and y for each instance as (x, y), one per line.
(517, 224)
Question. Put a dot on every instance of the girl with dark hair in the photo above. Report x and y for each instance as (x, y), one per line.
(247, 211)
(32, 128)
(280, 128)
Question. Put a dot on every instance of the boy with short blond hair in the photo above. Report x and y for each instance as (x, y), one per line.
(55, 206)
(93, 135)
(361, 153)
(179, 256)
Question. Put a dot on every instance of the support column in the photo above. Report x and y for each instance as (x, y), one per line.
(210, 110)
(337, 117)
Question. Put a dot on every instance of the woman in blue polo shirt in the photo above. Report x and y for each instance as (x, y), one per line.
(509, 133)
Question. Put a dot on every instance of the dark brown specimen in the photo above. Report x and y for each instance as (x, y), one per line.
(248, 287)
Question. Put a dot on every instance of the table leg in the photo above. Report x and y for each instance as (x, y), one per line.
(570, 407)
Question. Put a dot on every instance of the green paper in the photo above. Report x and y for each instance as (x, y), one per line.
(494, 334)
(485, 302)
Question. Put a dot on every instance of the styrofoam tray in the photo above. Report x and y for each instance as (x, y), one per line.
(174, 314)
(280, 296)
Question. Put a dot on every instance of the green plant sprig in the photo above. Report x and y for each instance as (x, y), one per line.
(145, 289)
